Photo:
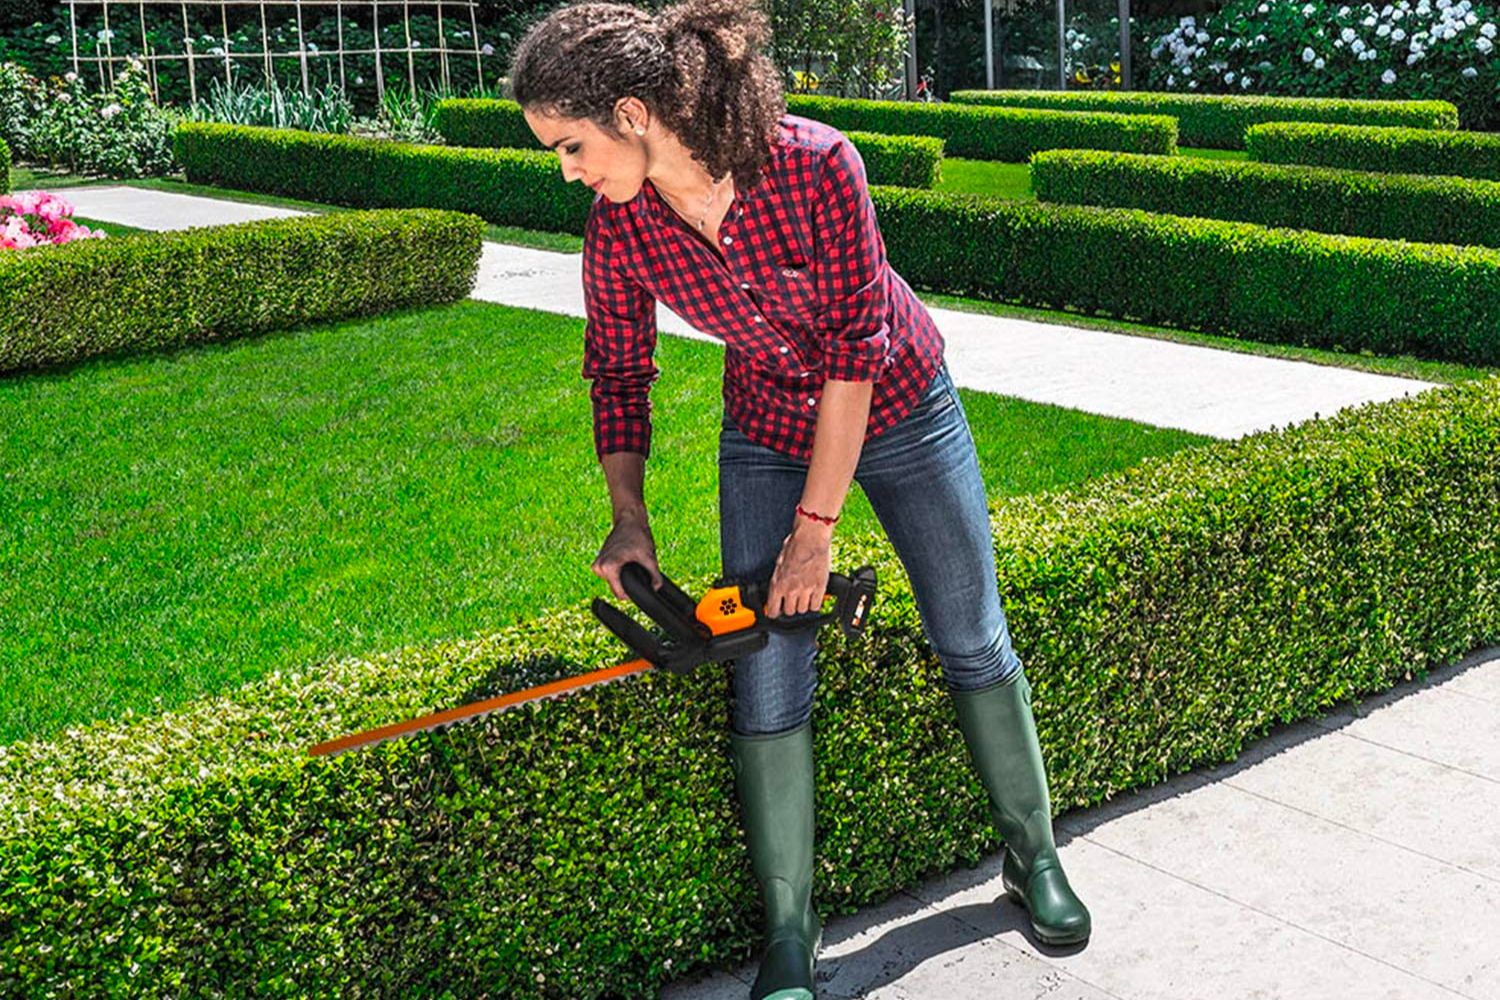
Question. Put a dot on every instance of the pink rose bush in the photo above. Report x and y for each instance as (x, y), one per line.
(36, 218)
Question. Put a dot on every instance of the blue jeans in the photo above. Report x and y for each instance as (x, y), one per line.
(922, 480)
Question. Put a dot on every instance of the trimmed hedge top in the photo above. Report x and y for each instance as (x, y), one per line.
(1390, 150)
(1219, 120)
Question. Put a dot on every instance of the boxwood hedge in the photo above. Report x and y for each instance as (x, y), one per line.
(1347, 293)
(1218, 121)
(901, 160)
(1228, 277)
(981, 133)
(1358, 202)
(590, 846)
(1390, 150)
(151, 290)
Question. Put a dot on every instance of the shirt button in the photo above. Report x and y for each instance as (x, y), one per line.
(744, 284)
(728, 240)
(760, 319)
(785, 349)
(811, 401)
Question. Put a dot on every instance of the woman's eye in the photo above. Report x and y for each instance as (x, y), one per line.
(572, 150)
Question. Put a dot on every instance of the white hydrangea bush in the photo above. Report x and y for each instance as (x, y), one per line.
(1410, 49)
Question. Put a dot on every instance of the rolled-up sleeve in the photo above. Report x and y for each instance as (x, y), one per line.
(618, 343)
(853, 329)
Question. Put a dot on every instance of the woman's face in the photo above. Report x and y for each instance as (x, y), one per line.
(612, 167)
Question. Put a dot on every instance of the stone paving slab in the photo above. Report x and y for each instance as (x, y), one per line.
(1218, 393)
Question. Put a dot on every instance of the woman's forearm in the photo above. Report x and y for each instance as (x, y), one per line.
(837, 442)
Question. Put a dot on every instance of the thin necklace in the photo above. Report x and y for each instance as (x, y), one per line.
(712, 191)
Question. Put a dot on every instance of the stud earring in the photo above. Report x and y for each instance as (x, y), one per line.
(640, 131)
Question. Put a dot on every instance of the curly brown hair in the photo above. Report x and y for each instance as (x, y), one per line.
(698, 66)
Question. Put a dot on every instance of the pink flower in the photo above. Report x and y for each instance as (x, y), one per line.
(55, 227)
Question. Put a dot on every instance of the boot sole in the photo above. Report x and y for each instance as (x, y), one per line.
(1044, 935)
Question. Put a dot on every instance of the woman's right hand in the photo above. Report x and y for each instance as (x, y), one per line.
(629, 541)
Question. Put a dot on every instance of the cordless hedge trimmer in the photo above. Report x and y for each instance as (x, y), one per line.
(724, 624)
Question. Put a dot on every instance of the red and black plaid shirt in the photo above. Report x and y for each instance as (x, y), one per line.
(802, 293)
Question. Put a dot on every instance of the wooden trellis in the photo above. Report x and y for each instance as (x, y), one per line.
(105, 62)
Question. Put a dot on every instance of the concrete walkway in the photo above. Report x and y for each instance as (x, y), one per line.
(1200, 389)
(1353, 856)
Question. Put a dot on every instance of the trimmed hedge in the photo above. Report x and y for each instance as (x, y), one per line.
(980, 133)
(904, 161)
(986, 133)
(591, 846)
(1348, 293)
(146, 291)
(1224, 277)
(912, 161)
(1389, 150)
(514, 187)
(1218, 121)
(1388, 206)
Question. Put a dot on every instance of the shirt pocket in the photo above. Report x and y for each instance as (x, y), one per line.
(788, 299)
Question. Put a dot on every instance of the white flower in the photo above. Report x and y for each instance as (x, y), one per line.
(70, 76)
(1358, 46)
(1244, 82)
(216, 51)
(1343, 12)
(1470, 72)
(1423, 10)
(1412, 59)
(1347, 34)
(311, 47)
(104, 34)
(1309, 10)
(1192, 85)
(1487, 30)
(1077, 46)
(359, 79)
(1202, 37)
(1383, 30)
(1229, 77)
(416, 44)
(1262, 9)
(1444, 4)
(1398, 35)
(110, 111)
(1398, 15)
(1388, 77)
(1308, 55)
(1318, 63)
(1471, 19)
(1386, 10)
(53, 39)
(487, 49)
(1484, 45)
(1172, 79)
(1369, 22)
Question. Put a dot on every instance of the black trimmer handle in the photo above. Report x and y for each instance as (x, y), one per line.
(853, 596)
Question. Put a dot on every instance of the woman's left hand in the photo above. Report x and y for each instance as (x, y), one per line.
(800, 581)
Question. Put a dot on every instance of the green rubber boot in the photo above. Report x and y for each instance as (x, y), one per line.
(1001, 734)
(774, 778)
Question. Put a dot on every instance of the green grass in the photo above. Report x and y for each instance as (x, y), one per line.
(175, 524)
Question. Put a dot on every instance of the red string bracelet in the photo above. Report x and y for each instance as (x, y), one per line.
(817, 517)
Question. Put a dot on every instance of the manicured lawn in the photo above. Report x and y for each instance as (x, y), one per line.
(175, 524)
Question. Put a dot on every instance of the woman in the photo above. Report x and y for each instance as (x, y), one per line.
(757, 227)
